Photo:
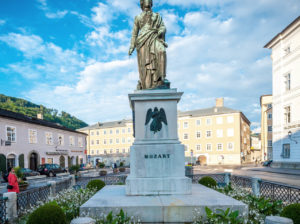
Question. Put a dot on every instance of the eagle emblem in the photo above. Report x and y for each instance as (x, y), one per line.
(158, 116)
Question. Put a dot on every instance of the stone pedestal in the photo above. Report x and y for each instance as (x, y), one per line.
(156, 157)
(160, 208)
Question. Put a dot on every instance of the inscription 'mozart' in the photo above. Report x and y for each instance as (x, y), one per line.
(157, 156)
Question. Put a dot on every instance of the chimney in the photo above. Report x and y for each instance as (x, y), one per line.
(40, 116)
(220, 102)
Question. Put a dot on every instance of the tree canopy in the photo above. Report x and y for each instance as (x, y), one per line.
(30, 109)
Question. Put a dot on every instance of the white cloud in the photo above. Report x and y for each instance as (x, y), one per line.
(48, 12)
(2, 22)
(53, 61)
(171, 22)
(56, 15)
(101, 14)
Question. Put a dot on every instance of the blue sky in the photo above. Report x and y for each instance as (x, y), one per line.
(72, 55)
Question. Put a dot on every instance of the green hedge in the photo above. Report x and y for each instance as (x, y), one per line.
(49, 213)
(95, 184)
(208, 182)
(292, 212)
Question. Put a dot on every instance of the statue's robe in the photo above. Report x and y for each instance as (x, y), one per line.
(151, 49)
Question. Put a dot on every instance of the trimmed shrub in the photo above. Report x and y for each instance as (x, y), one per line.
(102, 172)
(121, 164)
(122, 169)
(208, 182)
(292, 212)
(95, 184)
(49, 213)
(101, 165)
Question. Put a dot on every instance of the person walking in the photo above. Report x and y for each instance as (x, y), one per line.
(13, 185)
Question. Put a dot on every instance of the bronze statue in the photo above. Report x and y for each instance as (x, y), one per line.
(148, 37)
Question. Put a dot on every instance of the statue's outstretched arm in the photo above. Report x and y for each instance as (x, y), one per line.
(135, 33)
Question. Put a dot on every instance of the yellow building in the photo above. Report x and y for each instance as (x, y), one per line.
(217, 135)
(266, 127)
(109, 142)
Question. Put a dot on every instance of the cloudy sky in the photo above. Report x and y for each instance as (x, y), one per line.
(72, 55)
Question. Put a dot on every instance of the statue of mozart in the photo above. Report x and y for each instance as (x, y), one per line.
(148, 38)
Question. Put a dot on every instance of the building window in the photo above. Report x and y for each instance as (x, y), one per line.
(110, 131)
(230, 119)
(49, 138)
(270, 143)
(123, 140)
(110, 141)
(270, 128)
(230, 146)
(117, 131)
(287, 81)
(269, 106)
(11, 134)
(129, 140)
(117, 141)
(72, 140)
(269, 116)
(185, 136)
(97, 142)
(104, 132)
(287, 114)
(208, 147)
(61, 139)
(220, 133)
(208, 134)
(219, 120)
(185, 124)
(97, 152)
(129, 130)
(220, 147)
(123, 130)
(208, 121)
(198, 147)
(92, 142)
(105, 152)
(92, 152)
(186, 148)
(104, 142)
(80, 142)
(92, 133)
(230, 132)
(198, 122)
(50, 160)
(198, 134)
(32, 135)
(286, 150)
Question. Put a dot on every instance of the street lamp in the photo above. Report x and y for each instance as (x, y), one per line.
(290, 134)
(192, 153)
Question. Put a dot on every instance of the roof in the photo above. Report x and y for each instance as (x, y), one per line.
(33, 120)
(264, 96)
(211, 111)
(282, 32)
(111, 124)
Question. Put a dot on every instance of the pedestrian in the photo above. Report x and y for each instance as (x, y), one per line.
(13, 185)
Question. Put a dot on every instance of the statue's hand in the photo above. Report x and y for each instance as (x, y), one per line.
(131, 51)
(160, 33)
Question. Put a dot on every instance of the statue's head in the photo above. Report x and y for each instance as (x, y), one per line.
(146, 4)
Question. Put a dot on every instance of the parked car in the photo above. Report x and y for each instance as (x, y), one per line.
(29, 173)
(267, 163)
(50, 169)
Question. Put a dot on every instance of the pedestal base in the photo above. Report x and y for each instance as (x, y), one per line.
(162, 208)
(158, 186)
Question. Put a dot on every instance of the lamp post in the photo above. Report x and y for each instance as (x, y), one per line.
(290, 134)
(192, 153)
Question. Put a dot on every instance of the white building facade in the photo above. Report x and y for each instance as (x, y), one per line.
(286, 96)
(29, 142)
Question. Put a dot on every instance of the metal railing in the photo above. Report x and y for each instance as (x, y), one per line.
(30, 198)
(271, 190)
(109, 180)
(3, 210)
